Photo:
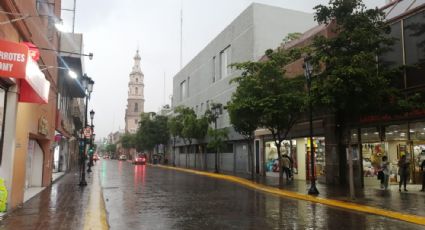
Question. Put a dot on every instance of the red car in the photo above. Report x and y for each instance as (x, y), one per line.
(139, 160)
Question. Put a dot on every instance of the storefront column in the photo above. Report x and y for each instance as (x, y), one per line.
(332, 155)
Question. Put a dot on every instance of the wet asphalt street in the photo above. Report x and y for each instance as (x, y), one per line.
(146, 197)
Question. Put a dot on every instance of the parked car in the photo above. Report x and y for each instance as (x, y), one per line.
(105, 156)
(123, 158)
(140, 159)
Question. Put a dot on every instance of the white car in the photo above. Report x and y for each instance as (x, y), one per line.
(123, 158)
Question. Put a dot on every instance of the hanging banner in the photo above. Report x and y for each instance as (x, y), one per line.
(13, 59)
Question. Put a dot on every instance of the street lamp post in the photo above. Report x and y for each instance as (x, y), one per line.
(308, 71)
(87, 83)
(91, 141)
(216, 109)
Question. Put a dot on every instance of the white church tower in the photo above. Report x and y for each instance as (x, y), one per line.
(135, 99)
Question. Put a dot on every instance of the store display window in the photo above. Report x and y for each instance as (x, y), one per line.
(417, 135)
(319, 151)
(372, 149)
(272, 164)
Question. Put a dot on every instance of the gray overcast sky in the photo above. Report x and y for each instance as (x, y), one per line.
(114, 29)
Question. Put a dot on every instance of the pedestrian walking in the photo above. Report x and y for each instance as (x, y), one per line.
(385, 169)
(403, 171)
(286, 164)
(423, 175)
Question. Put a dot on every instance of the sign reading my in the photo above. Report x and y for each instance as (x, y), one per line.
(13, 59)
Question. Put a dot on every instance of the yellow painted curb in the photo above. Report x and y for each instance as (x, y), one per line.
(330, 202)
(95, 217)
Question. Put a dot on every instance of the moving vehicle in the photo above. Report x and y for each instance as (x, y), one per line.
(123, 158)
(139, 159)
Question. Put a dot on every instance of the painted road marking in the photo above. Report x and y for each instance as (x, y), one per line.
(95, 217)
(330, 202)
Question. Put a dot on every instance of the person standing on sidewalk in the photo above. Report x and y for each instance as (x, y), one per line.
(286, 164)
(385, 168)
(403, 171)
(423, 175)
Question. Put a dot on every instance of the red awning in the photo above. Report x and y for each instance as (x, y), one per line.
(34, 87)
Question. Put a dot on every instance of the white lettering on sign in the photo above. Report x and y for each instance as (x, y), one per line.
(6, 66)
(7, 56)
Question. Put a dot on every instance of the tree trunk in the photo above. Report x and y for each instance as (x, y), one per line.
(201, 155)
(279, 155)
(251, 157)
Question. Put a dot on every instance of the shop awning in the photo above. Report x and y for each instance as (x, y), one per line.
(34, 87)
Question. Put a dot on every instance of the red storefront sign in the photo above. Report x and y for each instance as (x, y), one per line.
(14, 63)
(33, 51)
(13, 59)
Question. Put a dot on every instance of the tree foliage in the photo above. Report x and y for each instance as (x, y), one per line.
(152, 131)
(111, 148)
(351, 83)
(267, 98)
(128, 140)
(218, 138)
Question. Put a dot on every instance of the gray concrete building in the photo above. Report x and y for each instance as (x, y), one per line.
(205, 79)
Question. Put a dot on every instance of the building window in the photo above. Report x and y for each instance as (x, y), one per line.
(136, 107)
(225, 62)
(135, 121)
(137, 79)
(202, 108)
(2, 118)
(182, 90)
(213, 69)
(414, 44)
(137, 91)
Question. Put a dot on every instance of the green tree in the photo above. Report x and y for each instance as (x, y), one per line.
(192, 128)
(175, 126)
(152, 131)
(217, 137)
(277, 99)
(244, 110)
(350, 82)
(128, 141)
(111, 148)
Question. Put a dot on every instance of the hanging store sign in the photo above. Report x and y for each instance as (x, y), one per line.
(13, 59)
(14, 63)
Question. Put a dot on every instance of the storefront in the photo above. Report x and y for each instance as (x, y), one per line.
(28, 90)
(299, 151)
(393, 141)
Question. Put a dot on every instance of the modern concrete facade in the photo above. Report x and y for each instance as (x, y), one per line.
(205, 79)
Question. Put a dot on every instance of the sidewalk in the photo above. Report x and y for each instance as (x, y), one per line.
(410, 202)
(63, 205)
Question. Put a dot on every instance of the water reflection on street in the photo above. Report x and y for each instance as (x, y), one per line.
(146, 197)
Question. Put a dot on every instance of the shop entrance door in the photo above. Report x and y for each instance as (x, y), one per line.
(34, 165)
